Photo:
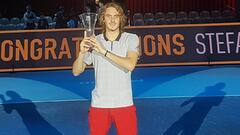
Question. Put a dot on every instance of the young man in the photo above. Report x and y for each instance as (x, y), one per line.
(114, 56)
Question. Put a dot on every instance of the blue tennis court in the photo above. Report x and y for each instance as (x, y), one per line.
(170, 100)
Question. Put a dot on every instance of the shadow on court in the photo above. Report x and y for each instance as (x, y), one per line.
(34, 122)
(191, 121)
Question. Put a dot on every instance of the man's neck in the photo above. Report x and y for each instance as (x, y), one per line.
(112, 35)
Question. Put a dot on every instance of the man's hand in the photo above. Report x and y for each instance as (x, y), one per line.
(97, 46)
(85, 44)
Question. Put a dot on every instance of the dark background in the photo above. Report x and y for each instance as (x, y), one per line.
(16, 8)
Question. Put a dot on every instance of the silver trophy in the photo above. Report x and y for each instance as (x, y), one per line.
(89, 21)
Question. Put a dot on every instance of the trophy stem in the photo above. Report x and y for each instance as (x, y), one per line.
(89, 20)
(89, 32)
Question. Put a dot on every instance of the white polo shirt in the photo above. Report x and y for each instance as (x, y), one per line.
(112, 84)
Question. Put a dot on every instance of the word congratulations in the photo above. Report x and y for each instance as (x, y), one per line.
(37, 49)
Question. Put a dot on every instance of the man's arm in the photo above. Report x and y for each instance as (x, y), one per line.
(78, 65)
(129, 62)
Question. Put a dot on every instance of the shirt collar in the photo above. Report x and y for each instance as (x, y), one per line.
(117, 39)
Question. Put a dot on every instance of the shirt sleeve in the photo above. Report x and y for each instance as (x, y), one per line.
(87, 58)
(133, 43)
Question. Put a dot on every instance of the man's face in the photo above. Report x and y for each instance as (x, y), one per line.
(112, 19)
(96, 1)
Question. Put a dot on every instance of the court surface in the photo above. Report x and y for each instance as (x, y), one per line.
(187, 100)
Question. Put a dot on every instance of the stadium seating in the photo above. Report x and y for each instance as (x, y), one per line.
(15, 20)
(49, 19)
(217, 16)
(150, 21)
(4, 21)
(137, 16)
(148, 16)
(182, 14)
(193, 14)
(228, 16)
(138, 22)
(161, 21)
(141, 19)
(159, 15)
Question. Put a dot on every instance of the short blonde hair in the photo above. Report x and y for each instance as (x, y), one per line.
(123, 17)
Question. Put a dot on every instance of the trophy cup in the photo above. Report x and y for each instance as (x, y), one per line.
(89, 21)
